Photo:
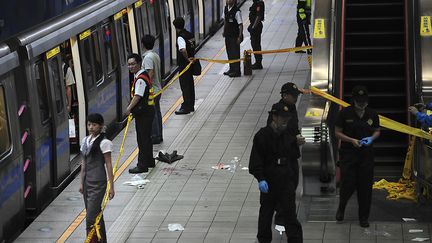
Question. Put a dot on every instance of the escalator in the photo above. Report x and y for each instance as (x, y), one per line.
(375, 56)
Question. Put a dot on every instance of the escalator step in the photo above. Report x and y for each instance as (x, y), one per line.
(375, 33)
(375, 19)
(376, 48)
(374, 63)
(374, 79)
(382, 4)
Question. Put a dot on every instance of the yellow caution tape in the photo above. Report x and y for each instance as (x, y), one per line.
(172, 80)
(96, 226)
(220, 61)
(384, 121)
(406, 174)
(403, 189)
(293, 49)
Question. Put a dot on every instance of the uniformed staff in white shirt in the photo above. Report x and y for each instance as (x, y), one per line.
(233, 33)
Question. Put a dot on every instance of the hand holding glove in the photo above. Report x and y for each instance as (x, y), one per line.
(366, 141)
(263, 186)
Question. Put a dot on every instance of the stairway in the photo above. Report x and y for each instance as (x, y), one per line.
(375, 57)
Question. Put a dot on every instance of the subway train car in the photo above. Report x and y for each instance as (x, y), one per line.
(40, 132)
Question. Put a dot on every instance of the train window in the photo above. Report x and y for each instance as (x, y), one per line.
(127, 34)
(91, 61)
(178, 8)
(152, 19)
(56, 78)
(5, 141)
(109, 49)
(42, 91)
(164, 13)
(120, 39)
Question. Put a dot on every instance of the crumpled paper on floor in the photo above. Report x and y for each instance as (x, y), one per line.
(280, 228)
(175, 227)
(137, 181)
(419, 239)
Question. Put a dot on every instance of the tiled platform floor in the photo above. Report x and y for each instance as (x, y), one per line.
(213, 205)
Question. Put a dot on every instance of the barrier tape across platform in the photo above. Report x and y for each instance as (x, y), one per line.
(96, 226)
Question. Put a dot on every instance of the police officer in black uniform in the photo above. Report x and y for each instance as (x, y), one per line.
(185, 51)
(272, 154)
(357, 126)
(256, 16)
(233, 33)
(290, 94)
(303, 22)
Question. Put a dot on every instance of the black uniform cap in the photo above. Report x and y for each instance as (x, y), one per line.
(360, 93)
(280, 109)
(290, 88)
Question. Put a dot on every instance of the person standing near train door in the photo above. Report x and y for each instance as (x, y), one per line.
(185, 51)
(151, 64)
(303, 22)
(96, 151)
(256, 17)
(357, 126)
(233, 33)
(142, 108)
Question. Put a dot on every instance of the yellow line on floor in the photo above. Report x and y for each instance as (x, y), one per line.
(78, 220)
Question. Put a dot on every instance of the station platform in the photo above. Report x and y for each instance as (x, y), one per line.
(214, 205)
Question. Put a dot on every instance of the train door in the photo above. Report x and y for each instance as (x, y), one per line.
(193, 5)
(216, 10)
(59, 121)
(165, 32)
(121, 25)
(209, 16)
(95, 48)
(220, 9)
(141, 22)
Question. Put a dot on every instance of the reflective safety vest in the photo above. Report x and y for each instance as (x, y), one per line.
(149, 91)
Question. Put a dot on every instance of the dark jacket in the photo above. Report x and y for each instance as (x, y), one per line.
(272, 153)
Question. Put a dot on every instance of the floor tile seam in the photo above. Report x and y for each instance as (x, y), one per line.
(174, 167)
(135, 204)
(199, 117)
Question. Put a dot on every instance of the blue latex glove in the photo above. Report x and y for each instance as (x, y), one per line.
(263, 186)
(366, 141)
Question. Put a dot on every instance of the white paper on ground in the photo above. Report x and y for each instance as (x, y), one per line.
(245, 168)
(280, 228)
(419, 239)
(409, 219)
(415, 231)
(175, 227)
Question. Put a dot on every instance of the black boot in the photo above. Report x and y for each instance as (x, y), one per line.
(340, 214)
(257, 65)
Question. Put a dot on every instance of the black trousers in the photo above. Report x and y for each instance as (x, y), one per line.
(255, 36)
(303, 35)
(357, 171)
(279, 220)
(282, 193)
(157, 121)
(143, 126)
(233, 52)
(188, 90)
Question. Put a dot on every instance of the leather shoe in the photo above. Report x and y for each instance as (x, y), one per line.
(340, 215)
(182, 112)
(157, 140)
(227, 72)
(234, 75)
(256, 66)
(138, 170)
(300, 51)
(364, 224)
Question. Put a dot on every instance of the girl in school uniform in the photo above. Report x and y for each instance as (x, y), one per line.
(96, 167)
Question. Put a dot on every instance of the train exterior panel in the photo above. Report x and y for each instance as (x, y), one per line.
(11, 156)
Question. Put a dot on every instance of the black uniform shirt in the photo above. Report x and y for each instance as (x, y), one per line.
(257, 9)
(355, 127)
(268, 147)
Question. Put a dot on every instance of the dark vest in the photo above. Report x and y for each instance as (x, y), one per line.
(147, 101)
(231, 25)
(190, 47)
(94, 160)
